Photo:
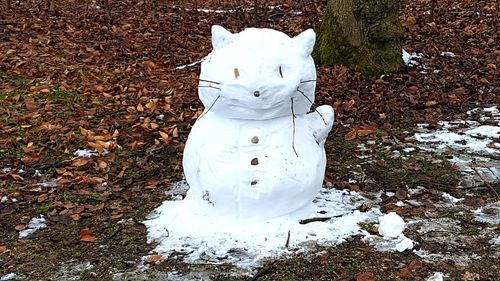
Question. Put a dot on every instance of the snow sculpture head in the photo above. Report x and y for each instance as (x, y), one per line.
(256, 152)
(255, 74)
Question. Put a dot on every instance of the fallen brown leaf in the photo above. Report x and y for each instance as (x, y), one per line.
(152, 184)
(102, 164)
(365, 276)
(351, 135)
(364, 133)
(117, 216)
(16, 177)
(410, 21)
(30, 159)
(405, 272)
(80, 162)
(460, 91)
(3, 249)
(328, 180)
(86, 235)
(354, 187)
(42, 198)
(430, 103)
(491, 145)
(20, 227)
(153, 258)
(165, 137)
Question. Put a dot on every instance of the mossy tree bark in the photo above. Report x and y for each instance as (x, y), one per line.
(364, 35)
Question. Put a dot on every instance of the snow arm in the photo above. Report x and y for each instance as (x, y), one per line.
(321, 122)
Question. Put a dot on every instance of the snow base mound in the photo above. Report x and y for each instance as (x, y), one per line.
(180, 228)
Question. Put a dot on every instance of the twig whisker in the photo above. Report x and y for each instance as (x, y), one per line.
(208, 81)
(203, 114)
(209, 86)
(293, 133)
(323, 118)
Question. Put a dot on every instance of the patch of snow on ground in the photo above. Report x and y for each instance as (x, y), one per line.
(477, 169)
(438, 276)
(400, 203)
(404, 244)
(489, 114)
(409, 149)
(47, 184)
(6, 170)
(386, 244)
(437, 225)
(34, 225)
(467, 135)
(178, 190)
(391, 225)
(415, 190)
(180, 226)
(85, 153)
(411, 59)
(495, 241)
(9, 276)
(458, 259)
(391, 228)
(474, 143)
(446, 232)
(474, 140)
(489, 213)
(71, 271)
(450, 198)
(447, 54)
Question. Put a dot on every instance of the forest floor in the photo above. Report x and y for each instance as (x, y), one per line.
(94, 115)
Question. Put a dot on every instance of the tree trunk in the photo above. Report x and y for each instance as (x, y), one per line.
(364, 35)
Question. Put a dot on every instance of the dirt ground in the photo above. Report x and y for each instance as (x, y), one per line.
(74, 77)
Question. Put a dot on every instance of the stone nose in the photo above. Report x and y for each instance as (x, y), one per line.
(256, 93)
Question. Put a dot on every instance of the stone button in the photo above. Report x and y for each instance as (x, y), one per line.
(253, 182)
(254, 161)
(255, 140)
(256, 93)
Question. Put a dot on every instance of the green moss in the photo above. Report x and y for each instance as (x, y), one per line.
(68, 196)
(44, 208)
(12, 78)
(5, 95)
(12, 152)
(369, 227)
(368, 40)
(374, 10)
(400, 172)
(332, 45)
(8, 120)
(68, 98)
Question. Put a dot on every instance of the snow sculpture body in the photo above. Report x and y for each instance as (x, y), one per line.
(256, 152)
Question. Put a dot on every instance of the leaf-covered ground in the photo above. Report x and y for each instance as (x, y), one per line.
(73, 77)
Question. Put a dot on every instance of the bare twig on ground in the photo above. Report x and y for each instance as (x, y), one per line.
(487, 184)
(317, 219)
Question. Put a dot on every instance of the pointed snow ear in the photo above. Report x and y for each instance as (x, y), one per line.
(220, 37)
(306, 41)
